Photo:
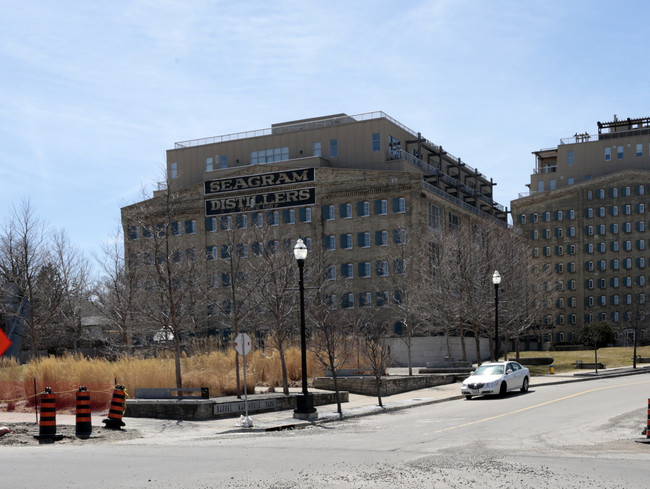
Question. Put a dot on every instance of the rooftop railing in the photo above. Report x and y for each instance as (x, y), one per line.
(316, 124)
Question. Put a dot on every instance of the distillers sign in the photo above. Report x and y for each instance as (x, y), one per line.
(245, 202)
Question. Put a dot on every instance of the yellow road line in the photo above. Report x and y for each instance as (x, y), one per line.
(537, 405)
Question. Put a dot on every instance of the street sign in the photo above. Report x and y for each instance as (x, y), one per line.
(5, 342)
(243, 344)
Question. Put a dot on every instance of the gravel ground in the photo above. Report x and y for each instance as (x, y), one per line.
(23, 435)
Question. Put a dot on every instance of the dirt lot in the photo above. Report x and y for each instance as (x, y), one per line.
(23, 435)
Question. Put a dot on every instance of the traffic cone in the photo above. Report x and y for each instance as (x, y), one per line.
(47, 421)
(114, 420)
(84, 427)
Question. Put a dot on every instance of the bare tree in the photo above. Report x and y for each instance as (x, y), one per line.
(73, 270)
(115, 294)
(165, 264)
(276, 294)
(372, 331)
(25, 261)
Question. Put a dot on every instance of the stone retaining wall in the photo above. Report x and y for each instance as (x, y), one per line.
(392, 384)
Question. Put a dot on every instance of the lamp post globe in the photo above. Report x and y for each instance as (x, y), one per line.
(305, 401)
(496, 280)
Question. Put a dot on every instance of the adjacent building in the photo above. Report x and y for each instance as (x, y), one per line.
(586, 216)
(358, 186)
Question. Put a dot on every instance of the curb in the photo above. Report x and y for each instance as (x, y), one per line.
(382, 410)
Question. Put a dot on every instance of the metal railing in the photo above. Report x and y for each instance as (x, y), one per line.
(457, 201)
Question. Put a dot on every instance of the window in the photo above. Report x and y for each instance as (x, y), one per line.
(334, 148)
(289, 216)
(241, 221)
(223, 161)
(552, 184)
(190, 226)
(571, 249)
(257, 219)
(364, 269)
(454, 221)
(399, 266)
(226, 223)
(613, 192)
(381, 238)
(365, 299)
(376, 141)
(614, 246)
(619, 152)
(589, 212)
(347, 301)
(211, 252)
(363, 209)
(381, 207)
(399, 236)
(601, 229)
(399, 205)
(173, 170)
(614, 210)
(627, 209)
(571, 232)
(382, 299)
(209, 165)
(569, 157)
(273, 218)
(317, 149)
(329, 242)
(226, 251)
(330, 272)
(601, 212)
(640, 208)
(627, 245)
(640, 244)
(558, 215)
(346, 241)
(381, 268)
(640, 190)
(608, 154)
(269, 155)
(571, 181)
(210, 226)
(572, 266)
(347, 270)
(345, 211)
(363, 240)
(435, 217)
(242, 250)
(571, 214)
(627, 227)
(614, 228)
(305, 214)
(258, 248)
(328, 213)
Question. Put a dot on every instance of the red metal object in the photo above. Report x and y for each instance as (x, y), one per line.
(5, 342)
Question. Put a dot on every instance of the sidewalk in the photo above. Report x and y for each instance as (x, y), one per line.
(358, 405)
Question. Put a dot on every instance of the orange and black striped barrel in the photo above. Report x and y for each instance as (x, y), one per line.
(115, 413)
(84, 425)
(47, 423)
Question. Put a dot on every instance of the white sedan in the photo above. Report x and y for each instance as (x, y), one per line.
(496, 378)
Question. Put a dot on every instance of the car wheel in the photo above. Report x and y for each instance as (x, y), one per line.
(468, 397)
(524, 386)
(503, 389)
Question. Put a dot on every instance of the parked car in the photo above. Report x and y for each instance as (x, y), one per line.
(496, 378)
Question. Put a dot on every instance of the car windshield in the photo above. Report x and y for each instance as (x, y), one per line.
(489, 370)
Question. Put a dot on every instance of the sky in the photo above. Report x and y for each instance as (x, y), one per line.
(92, 94)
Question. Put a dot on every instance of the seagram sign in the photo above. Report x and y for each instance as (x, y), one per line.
(292, 197)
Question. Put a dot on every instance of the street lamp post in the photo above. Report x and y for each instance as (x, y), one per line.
(304, 402)
(496, 280)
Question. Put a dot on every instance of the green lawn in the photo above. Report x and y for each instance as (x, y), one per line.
(564, 361)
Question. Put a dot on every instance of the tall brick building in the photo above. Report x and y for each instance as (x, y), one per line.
(358, 186)
(586, 220)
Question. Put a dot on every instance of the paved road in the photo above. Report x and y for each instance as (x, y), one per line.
(559, 436)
